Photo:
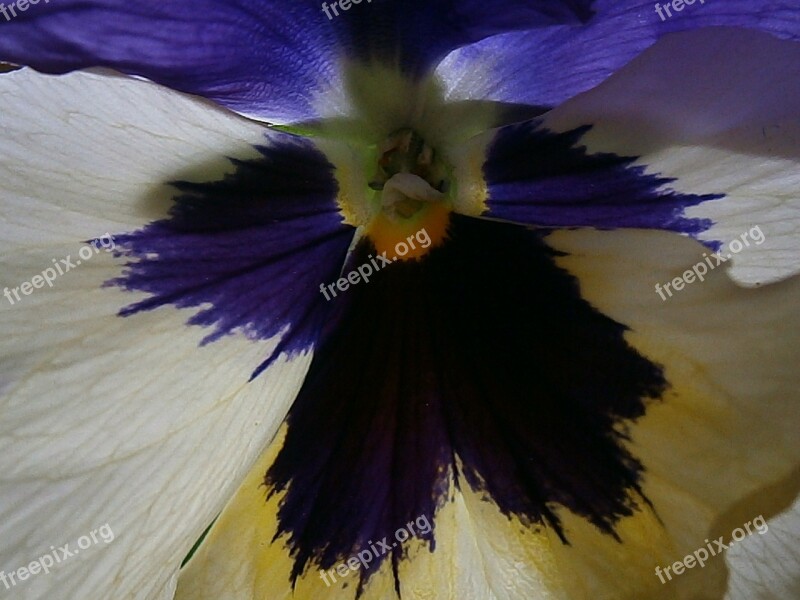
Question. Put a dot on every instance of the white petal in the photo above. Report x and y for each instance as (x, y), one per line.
(88, 153)
(718, 110)
(767, 566)
(106, 420)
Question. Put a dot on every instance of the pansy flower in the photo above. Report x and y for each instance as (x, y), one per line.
(399, 299)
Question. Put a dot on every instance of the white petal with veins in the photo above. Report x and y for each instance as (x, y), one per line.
(103, 419)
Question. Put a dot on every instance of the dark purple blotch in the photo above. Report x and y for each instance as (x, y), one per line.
(250, 250)
(483, 350)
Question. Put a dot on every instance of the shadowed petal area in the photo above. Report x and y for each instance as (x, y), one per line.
(416, 34)
(482, 354)
(251, 250)
(546, 67)
(548, 179)
(264, 58)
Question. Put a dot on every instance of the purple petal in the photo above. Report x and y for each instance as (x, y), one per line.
(250, 251)
(262, 58)
(546, 179)
(259, 58)
(546, 67)
(416, 34)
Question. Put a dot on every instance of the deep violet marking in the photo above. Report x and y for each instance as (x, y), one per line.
(250, 249)
(483, 350)
(548, 179)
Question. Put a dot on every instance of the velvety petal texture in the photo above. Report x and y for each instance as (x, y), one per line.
(264, 58)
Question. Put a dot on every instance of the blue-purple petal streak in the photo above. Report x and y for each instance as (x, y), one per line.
(263, 58)
(547, 179)
(545, 67)
(249, 251)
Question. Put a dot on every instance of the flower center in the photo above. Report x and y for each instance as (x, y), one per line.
(405, 151)
(412, 185)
